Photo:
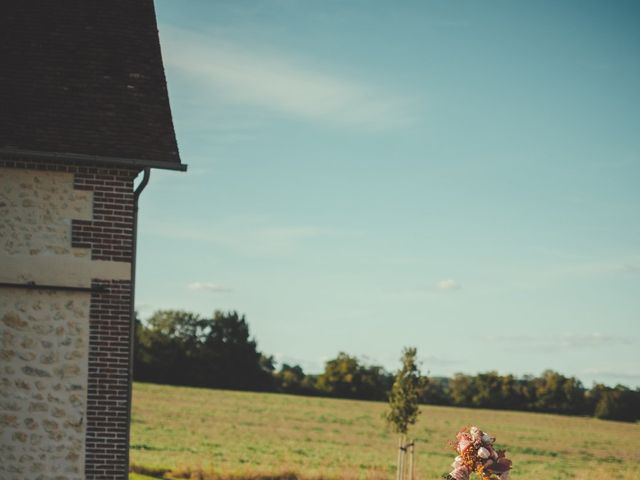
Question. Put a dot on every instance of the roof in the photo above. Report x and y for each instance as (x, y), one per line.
(84, 79)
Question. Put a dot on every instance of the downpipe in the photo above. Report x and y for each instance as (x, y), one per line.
(132, 327)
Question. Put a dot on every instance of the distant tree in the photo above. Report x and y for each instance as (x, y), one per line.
(231, 356)
(462, 390)
(166, 348)
(310, 385)
(339, 376)
(405, 393)
(344, 377)
(182, 348)
(374, 383)
(290, 379)
(435, 391)
(488, 390)
(556, 393)
(619, 403)
(492, 390)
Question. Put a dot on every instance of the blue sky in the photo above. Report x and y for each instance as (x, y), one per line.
(458, 176)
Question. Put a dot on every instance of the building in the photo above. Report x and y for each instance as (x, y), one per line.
(83, 112)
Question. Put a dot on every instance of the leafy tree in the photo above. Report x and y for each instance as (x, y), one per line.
(488, 389)
(434, 391)
(165, 347)
(290, 379)
(344, 377)
(339, 377)
(619, 403)
(556, 393)
(405, 393)
(462, 390)
(182, 348)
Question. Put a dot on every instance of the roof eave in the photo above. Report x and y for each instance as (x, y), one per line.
(91, 159)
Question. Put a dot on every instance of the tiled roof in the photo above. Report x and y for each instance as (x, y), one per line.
(84, 77)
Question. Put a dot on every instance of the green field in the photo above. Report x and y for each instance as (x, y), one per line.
(245, 435)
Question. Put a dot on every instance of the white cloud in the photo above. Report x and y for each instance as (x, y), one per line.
(448, 284)
(208, 287)
(280, 83)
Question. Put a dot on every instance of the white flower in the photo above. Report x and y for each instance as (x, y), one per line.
(475, 433)
(457, 462)
(483, 453)
(486, 438)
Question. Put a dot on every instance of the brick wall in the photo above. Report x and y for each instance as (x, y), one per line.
(108, 390)
(109, 236)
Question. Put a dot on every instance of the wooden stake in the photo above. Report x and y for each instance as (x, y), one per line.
(411, 459)
(398, 471)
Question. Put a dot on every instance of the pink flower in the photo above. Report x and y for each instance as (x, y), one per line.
(463, 445)
(460, 473)
(477, 448)
(502, 465)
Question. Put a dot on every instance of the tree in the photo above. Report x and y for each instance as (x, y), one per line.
(462, 390)
(182, 348)
(165, 347)
(434, 391)
(556, 393)
(290, 379)
(404, 408)
(344, 377)
(405, 393)
(619, 403)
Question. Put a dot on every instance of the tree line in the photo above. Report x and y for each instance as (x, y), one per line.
(181, 348)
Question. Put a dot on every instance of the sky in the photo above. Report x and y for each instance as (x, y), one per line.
(461, 177)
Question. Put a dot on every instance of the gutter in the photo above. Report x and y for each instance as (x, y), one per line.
(91, 160)
(132, 332)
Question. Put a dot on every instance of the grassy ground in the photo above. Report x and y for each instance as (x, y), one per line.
(235, 434)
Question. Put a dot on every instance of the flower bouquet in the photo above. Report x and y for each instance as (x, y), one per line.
(476, 454)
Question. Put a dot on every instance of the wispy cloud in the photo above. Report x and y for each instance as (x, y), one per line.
(448, 284)
(208, 287)
(433, 360)
(556, 343)
(247, 236)
(282, 83)
(309, 366)
(630, 265)
(143, 309)
(441, 288)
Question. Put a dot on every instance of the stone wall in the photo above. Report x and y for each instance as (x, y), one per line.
(38, 209)
(44, 383)
(65, 354)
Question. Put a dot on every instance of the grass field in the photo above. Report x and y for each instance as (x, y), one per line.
(245, 435)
